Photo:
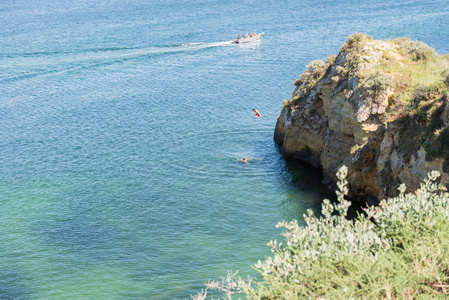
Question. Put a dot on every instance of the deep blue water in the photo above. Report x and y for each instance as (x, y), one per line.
(122, 123)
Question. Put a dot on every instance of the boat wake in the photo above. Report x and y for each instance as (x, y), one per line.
(209, 45)
(172, 49)
(21, 66)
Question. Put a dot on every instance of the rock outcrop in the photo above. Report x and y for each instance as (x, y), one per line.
(378, 107)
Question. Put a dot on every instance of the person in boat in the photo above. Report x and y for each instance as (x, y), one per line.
(246, 35)
(244, 160)
(257, 113)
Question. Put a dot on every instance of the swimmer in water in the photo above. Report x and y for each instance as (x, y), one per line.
(257, 113)
(244, 160)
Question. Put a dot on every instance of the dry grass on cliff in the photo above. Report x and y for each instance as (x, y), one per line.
(419, 75)
(421, 90)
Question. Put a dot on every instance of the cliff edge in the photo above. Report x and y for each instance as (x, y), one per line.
(378, 107)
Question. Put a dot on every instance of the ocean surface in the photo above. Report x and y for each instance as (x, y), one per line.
(121, 128)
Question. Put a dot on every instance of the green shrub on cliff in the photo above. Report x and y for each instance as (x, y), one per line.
(416, 49)
(398, 250)
(354, 41)
(315, 71)
(377, 82)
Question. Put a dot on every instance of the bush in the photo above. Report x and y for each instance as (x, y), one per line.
(417, 50)
(354, 40)
(315, 66)
(398, 250)
(377, 82)
(358, 37)
(285, 103)
(315, 71)
(331, 59)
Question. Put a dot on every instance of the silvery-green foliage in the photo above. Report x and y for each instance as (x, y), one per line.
(377, 82)
(422, 209)
(333, 245)
(315, 66)
(228, 286)
(332, 237)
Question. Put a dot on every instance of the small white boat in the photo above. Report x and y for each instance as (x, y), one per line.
(252, 39)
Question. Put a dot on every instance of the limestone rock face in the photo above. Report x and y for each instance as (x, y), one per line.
(340, 120)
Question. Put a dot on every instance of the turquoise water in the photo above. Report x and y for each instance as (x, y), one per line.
(122, 123)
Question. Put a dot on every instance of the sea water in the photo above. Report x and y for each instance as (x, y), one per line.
(121, 128)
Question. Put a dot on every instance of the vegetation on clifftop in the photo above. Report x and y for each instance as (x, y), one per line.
(398, 250)
(411, 74)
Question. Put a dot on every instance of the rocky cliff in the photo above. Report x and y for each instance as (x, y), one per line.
(378, 107)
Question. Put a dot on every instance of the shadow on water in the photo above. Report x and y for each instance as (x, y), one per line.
(305, 188)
